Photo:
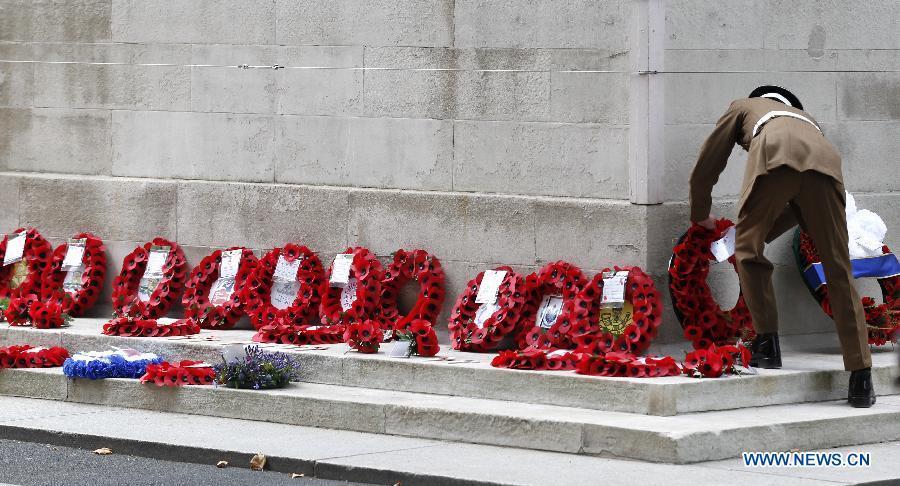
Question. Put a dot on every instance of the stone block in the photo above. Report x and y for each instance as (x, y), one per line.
(16, 85)
(869, 60)
(866, 149)
(541, 159)
(212, 146)
(589, 97)
(807, 24)
(16, 51)
(484, 95)
(114, 53)
(66, 21)
(58, 140)
(322, 56)
(410, 94)
(452, 226)
(114, 209)
(869, 96)
(542, 23)
(371, 152)
(729, 24)
(207, 21)
(590, 233)
(370, 22)
(16, 20)
(683, 143)
(336, 92)
(231, 90)
(262, 216)
(113, 86)
(714, 60)
(9, 204)
(703, 98)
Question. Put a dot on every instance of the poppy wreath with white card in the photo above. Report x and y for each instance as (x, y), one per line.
(284, 288)
(183, 373)
(547, 292)
(299, 335)
(419, 266)
(212, 294)
(79, 271)
(703, 320)
(597, 322)
(351, 291)
(481, 319)
(18, 279)
(882, 320)
(147, 289)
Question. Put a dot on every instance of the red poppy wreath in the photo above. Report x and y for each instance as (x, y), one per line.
(81, 283)
(882, 320)
(19, 279)
(421, 267)
(179, 374)
(359, 298)
(590, 327)
(212, 294)
(284, 288)
(547, 292)
(704, 322)
(480, 327)
(137, 327)
(299, 335)
(150, 296)
(28, 356)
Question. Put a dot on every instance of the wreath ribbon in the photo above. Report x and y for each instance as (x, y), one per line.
(884, 266)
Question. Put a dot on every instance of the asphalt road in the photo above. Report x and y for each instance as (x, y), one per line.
(26, 464)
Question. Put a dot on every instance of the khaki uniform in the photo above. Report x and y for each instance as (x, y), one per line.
(793, 175)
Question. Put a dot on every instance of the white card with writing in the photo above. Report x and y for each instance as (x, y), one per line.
(284, 293)
(400, 349)
(614, 289)
(15, 248)
(155, 261)
(348, 294)
(221, 291)
(340, 269)
(490, 286)
(484, 312)
(231, 260)
(234, 354)
(74, 254)
(548, 312)
(286, 270)
(73, 281)
(723, 248)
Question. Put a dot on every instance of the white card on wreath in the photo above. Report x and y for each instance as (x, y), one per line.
(723, 248)
(284, 293)
(348, 294)
(235, 353)
(15, 248)
(231, 260)
(490, 286)
(156, 260)
(548, 312)
(74, 254)
(221, 291)
(285, 270)
(614, 289)
(340, 269)
(400, 349)
(484, 312)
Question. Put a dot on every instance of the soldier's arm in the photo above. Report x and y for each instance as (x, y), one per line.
(712, 160)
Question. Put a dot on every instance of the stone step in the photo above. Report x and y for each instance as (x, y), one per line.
(806, 377)
(382, 459)
(683, 438)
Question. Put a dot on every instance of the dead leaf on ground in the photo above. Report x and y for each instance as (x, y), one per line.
(222, 464)
(103, 451)
(296, 475)
(258, 463)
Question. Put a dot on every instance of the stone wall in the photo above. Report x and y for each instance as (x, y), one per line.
(486, 131)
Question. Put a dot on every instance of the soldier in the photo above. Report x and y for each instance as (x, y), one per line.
(793, 174)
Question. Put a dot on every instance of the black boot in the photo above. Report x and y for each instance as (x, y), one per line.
(765, 351)
(861, 393)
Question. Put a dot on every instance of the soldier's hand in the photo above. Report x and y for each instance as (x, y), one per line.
(708, 223)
